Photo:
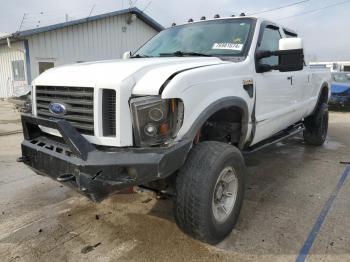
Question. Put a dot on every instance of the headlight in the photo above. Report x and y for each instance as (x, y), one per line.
(155, 120)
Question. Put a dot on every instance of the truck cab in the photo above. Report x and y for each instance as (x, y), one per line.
(177, 116)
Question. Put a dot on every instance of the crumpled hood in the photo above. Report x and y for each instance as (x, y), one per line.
(149, 74)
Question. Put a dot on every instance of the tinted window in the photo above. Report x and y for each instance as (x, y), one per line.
(270, 42)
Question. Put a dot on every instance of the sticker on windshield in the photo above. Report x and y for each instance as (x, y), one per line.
(228, 46)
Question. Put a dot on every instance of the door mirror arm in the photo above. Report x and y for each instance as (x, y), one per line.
(263, 54)
(263, 68)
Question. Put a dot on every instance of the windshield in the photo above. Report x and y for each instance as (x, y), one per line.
(341, 77)
(227, 37)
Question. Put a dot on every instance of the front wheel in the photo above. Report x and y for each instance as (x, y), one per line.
(209, 191)
(316, 126)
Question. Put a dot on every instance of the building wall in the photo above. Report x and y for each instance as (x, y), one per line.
(7, 83)
(107, 38)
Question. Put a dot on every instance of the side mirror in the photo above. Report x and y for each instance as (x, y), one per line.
(127, 55)
(291, 57)
(290, 54)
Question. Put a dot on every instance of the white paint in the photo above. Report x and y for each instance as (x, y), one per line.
(278, 102)
(290, 43)
(102, 75)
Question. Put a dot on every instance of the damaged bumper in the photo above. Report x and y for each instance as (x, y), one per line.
(96, 172)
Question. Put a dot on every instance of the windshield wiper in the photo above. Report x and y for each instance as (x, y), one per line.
(140, 56)
(181, 53)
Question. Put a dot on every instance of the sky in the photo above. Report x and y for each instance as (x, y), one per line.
(326, 32)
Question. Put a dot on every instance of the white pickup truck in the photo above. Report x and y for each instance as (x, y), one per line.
(177, 117)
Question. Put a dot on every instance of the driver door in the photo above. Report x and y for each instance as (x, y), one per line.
(275, 97)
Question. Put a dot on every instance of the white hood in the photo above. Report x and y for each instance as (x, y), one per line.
(149, 74)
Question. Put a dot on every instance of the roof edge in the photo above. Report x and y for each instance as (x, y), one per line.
(140, 14)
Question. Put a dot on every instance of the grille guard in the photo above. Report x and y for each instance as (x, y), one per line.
(96, 172)
(75, 141)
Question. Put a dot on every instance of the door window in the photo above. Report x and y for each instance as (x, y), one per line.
(270, 42)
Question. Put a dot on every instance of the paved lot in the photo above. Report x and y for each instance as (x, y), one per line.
(288, 185)
(9, 119)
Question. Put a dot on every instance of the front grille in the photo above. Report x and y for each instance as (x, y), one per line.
(108, 112)
(79, 102)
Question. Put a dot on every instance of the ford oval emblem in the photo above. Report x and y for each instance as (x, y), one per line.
(57, 108)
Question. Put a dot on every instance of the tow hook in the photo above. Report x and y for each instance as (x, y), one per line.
(66, 178)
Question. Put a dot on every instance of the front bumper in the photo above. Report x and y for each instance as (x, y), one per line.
(94, 172)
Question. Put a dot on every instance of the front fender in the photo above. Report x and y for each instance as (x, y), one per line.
(206, 90)
(213, 108)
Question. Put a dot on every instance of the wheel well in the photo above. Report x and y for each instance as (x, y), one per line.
(223, 126)
(323, 98)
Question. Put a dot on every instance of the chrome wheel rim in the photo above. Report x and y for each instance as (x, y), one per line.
(225, 194)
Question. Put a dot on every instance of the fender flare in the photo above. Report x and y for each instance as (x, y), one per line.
(216, 107)
(324, 85)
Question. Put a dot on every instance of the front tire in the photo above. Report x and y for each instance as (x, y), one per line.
(316, 126)
(209, 191)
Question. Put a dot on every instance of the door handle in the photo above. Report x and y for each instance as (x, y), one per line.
(291, 79)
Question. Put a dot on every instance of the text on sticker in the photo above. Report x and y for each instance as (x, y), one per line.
(228, 46)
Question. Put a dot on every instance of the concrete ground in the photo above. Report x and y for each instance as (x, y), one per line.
(9, 119)
(288, 185)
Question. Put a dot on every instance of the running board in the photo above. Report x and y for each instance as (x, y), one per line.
(289, 132)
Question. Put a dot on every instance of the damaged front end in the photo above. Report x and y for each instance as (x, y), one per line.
(95, 171)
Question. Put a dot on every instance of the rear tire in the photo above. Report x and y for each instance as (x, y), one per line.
(209, 191)
(316, 126)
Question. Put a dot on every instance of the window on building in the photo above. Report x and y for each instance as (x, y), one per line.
(18, 70)
(270, 42)
(43, 66)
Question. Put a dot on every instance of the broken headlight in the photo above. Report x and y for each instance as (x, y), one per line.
(155, 120)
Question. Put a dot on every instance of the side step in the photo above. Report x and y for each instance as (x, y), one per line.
(289, 132)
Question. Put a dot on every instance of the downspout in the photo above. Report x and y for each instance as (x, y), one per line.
(27, 57)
